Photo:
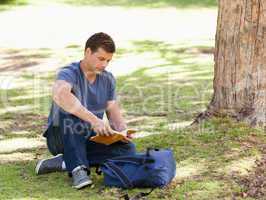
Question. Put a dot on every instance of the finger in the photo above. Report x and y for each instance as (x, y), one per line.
(105, 131)
(98, 132)
(110, 130)
(101, 131)
(130, 136)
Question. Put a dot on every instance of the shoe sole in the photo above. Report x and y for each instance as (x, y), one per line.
(82, 185)
(37, 168)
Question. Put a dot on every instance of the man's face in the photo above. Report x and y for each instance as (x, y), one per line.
(97, 61)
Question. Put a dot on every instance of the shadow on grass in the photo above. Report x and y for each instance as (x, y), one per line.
(199, 154)
(146, 3)
(21, 59)
(156, 97)
(13, 2)
(10, 4)
(170, 89)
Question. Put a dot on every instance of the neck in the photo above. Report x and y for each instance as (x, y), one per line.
(90, 75)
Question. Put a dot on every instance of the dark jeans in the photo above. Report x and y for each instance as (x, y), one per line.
(71, 139)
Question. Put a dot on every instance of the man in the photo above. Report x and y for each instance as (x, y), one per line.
(82, 93)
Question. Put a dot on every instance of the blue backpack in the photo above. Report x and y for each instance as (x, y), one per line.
(155, 168)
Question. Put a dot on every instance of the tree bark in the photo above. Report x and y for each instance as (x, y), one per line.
(240, 62)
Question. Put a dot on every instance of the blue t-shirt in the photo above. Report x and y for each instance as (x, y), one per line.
(93, 96)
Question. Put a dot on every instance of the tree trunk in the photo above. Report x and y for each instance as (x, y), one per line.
(240, 62)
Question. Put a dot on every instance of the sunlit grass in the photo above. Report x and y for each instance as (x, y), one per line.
(145, 3)
(160, 100)
(9, 4)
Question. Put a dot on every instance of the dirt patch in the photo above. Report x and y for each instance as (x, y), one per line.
(255, 183)
(24, 122)
(20, 59)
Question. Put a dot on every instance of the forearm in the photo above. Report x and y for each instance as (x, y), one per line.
(68, 102)
(116, 120)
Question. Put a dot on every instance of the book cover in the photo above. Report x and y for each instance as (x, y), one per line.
(117, 136)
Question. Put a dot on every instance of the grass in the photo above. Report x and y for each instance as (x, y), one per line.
(9, 4)
(146, 3)
(158, 99)
(5, 4)
(13, 2)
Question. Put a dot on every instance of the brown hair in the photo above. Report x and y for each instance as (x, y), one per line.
(102, 40)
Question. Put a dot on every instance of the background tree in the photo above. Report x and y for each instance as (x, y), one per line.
(240, 62)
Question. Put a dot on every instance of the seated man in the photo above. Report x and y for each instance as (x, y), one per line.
(82, 92)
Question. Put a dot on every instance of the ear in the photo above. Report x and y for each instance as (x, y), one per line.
(88, 51)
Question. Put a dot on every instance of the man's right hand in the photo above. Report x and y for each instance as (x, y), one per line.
(102, 128)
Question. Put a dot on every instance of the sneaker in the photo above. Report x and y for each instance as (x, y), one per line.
(80, 177)
(49, 165)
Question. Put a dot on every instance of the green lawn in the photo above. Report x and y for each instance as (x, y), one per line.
(123, 3)
(146, 3)
(12, 2)
(158, 99)
(8, 4)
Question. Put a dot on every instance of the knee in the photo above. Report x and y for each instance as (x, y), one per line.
(130, 148)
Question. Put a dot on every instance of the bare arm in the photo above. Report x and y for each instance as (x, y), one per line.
(63, 97)
(115, 117)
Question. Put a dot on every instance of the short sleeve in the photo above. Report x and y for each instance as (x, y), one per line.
(67, 75)
(112, 88)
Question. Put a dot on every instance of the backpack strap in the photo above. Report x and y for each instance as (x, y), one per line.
(120, 174)
(133, 159)
(150, 149)
(137, 196)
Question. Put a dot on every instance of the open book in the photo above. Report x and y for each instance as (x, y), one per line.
(117, 136)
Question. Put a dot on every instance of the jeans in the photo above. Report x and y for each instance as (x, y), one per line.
(71, 138)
